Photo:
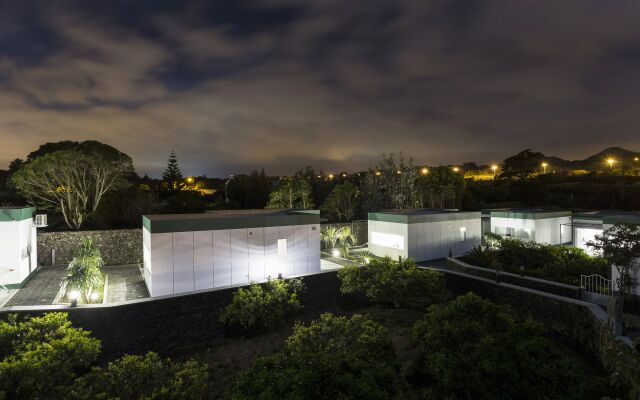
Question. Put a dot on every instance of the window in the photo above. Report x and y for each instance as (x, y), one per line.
(387, 240)
(463, 234)
(282, 247)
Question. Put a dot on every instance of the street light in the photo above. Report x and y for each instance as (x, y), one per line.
(330, 176)
(456, 169)
(544, 167)
(494, 168)
(398, 172)
(424, 170)
(378, 173)
(611, 161)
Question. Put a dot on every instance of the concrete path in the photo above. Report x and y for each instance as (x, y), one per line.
(41, 288)
(125, 283)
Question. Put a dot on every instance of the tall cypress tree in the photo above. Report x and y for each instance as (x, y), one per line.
(172, 177)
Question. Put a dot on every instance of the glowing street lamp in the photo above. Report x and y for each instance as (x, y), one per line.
(330, 176)
(636, 159)
(544, 167)
(456, 169)
(378, 173)
(494, 168)
(611, 161)
(424, 171)
(344, 175)
(398, 172)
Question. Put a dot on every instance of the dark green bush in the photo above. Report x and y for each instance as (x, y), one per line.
(395, 283)
(41, 356)
(471, 348)
(561, 264)
(262, 307)
(331, 358)
(143, 378)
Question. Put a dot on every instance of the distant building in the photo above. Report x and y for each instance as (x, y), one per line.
(529, 224)
(18, 245)
(188, 252)
(589, 224)
(423, 234)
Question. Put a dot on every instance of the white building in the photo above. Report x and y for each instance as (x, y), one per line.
(18, 246)
(589, 224)
(423, 234)
(187, 252)
(536, 225)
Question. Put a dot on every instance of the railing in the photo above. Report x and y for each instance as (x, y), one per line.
(596, 284)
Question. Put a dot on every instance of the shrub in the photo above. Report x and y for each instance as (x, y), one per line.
(41, 356)
(331, 358)
(143, 377)
(399, 283)
(261, 307)
(561, 264)
(471, 348)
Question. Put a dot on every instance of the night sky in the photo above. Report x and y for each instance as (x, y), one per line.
(282, 84)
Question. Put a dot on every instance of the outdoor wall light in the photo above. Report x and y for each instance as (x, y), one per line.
(73, 297)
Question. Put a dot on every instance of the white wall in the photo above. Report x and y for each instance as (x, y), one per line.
(378, 248)
(18, 251)
(427, 240)
(545, 230)
(584, 235)
(186, 261)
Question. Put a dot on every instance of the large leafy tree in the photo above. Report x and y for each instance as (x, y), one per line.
(330, 358)
(172, 176)
(522, 165)
(471, 348)
(440, 188)
(342, 203)
(293, 192)
(72, 181)
(250, 191)
(41, 356)
(390, 185)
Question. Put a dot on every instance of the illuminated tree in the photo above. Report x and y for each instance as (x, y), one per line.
(342, 202)
(293, 192)
(73, 181)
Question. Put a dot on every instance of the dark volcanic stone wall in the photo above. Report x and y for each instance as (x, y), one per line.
(118, 246)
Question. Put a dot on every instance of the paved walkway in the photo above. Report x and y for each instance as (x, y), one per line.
(125, 283)
(41, 289)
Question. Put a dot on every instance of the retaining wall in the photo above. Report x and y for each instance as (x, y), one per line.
(118, 246)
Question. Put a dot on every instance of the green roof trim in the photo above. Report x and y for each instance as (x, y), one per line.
(16, 213)
(524, 214)
(213, 222)
(420, 218)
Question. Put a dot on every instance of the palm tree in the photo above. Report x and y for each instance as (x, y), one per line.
(84, 271)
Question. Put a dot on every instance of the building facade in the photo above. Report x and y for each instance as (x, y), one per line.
(188, 252)
(18, 245)
(535, 225)
(423, 234)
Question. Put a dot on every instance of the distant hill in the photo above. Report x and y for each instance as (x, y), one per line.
(623, 157)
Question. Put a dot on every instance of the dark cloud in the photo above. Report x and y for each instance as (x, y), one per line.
(280, 84)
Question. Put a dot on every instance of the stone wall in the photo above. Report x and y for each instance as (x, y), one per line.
(118, 246)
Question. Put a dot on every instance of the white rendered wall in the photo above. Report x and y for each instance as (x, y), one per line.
(186, 261)
(548, 230)
(388, 228)
(584, 235)
(18, 251)
(433, 240)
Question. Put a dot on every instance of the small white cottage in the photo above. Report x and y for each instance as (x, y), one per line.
(188, 252)
(423, 234)
(529, 224)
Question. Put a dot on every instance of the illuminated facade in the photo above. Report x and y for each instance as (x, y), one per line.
(423, 234)
(188, 252)
(535, 225)
(589, 224)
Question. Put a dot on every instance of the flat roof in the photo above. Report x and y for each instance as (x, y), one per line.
(526, 213)
(228, 219)
(422, 215)
(609, 216)
(10, 213)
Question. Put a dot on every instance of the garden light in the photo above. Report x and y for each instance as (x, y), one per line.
(367, 260)
(94, 296)
(73, 297)
(335, 253)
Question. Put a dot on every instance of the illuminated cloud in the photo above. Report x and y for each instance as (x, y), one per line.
(283, 84)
